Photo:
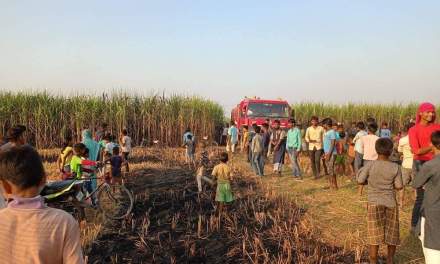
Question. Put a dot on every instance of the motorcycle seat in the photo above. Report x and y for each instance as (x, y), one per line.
(55, 187)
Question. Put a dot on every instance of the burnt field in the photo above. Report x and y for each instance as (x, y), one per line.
(172, 223)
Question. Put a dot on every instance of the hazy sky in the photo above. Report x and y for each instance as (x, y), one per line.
(329, 50)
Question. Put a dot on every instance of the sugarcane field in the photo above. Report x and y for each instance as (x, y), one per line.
(217, 132)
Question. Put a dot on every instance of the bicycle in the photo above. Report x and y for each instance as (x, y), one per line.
(115, 201)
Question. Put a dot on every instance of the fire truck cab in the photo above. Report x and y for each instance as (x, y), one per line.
(258, 111)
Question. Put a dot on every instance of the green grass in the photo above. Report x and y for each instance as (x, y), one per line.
(49, 117)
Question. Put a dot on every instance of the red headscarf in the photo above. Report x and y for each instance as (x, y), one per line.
(425, 107)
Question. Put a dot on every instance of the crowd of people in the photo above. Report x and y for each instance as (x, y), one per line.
(32, 232)
(371, 156)
(365, 152)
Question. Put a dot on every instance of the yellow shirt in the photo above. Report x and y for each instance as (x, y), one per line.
(222, 172)
(245, 140)
(316, 134)
(67, 154)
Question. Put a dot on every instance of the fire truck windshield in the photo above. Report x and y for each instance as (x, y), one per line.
(268, 110)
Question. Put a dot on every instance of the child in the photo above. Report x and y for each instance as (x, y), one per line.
(429, 179)
(126, 147)
(116, 161)
(368, 144)
(110, 144)
(257, 152)
(340, 153)
(245, 140)
(384, 131)
(351, 154)
(65, 156)
(190, 150)
(31, 232)
(232, 138)
(358, 146)
(223, 173)
(407, 160)
(75, 162)
(107, 168)
(329, 144)
(383, 178)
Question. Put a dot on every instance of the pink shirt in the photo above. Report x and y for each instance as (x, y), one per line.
(31, 232)
(368, 144)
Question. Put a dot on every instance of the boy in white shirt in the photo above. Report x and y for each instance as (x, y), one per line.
(407, 160)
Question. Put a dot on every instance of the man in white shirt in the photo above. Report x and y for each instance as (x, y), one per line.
(359, 152)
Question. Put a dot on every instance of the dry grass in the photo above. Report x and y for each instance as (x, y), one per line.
(273, 220)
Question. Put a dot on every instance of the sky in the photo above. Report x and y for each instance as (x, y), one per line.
(322, 51)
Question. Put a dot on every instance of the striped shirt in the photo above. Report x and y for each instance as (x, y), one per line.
(31, 232)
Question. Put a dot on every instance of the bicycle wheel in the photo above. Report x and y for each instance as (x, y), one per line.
(115, 201)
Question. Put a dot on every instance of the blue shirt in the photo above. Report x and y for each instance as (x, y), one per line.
(233, 133)
(328, 137)
(385, 133)
(294, 139)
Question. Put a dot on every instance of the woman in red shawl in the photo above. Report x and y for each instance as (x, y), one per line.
(421, 146)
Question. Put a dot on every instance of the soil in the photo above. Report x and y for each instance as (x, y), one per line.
(172, 223)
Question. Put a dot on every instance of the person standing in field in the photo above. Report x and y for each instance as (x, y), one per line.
(429, 179)
(126, 145)
(352, 131)
(421, 146)
(223, 173)
(314, 136)
(102, 131)
(245, 141)
(31, 232)
(384, 131)
(266, 142)
(65, 156)
(190, 150)
(359, 154)
(224, 135)
(232, 138)
(340, 153)
(294, 145)
(368, 146)
(250, 138)
(257, 152)
(351, 154)
(94, 152)
(185, 135)
(407, 160)
(329, 145)
(278, 147)
(383, 178)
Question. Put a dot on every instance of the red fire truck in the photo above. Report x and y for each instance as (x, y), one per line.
(258, 111)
